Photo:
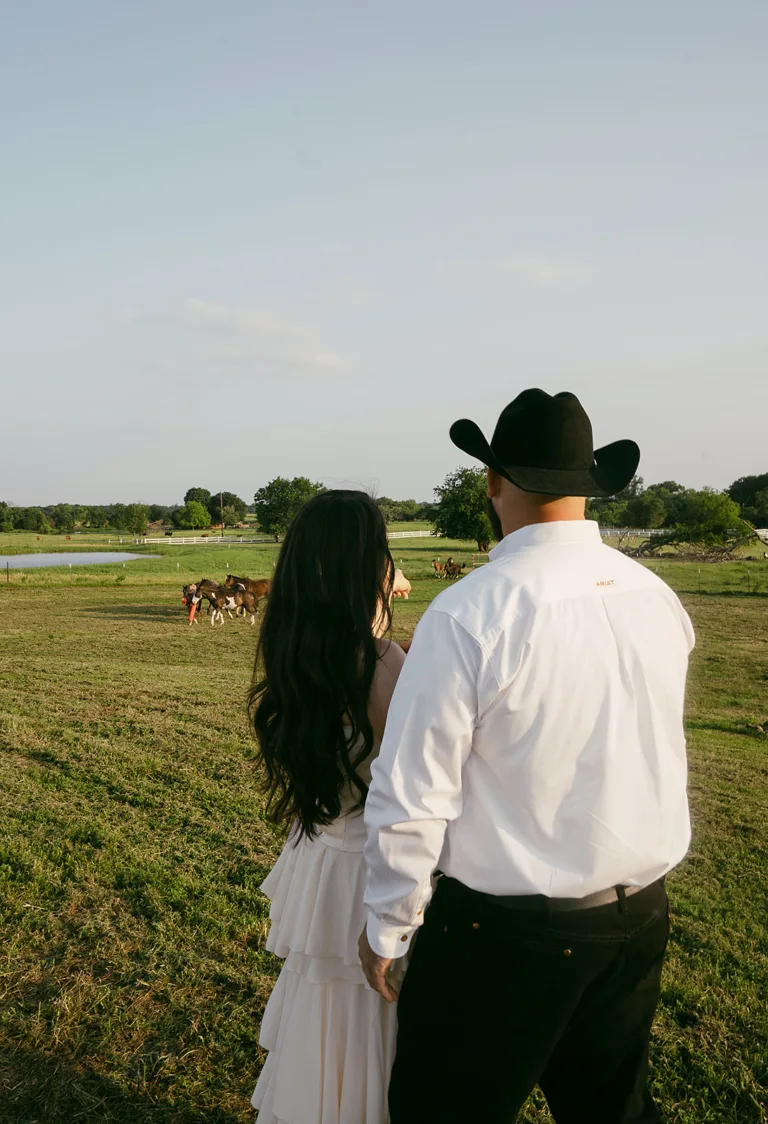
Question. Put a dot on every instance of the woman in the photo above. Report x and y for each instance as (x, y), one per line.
(322, 685)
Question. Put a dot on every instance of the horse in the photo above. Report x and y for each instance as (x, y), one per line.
(453, 569)
(259, 587)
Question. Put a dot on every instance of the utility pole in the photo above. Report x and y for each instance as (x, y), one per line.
(221, 509)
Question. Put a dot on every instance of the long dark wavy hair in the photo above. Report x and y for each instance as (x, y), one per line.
(317, 655)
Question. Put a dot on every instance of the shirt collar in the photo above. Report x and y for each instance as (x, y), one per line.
(540, 534)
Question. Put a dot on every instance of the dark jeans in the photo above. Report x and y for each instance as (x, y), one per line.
(498, 1000)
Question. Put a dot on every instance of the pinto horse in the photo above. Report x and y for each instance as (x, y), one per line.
(259, 587)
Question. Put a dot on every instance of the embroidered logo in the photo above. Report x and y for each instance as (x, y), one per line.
(611, 581)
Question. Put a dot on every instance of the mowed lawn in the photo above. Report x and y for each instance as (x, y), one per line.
(132, 846)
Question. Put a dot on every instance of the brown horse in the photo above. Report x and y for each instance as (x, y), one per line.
(453, 569)
(259, 587)
(241, 600)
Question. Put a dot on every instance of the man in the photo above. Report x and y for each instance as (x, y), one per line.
(534, 754)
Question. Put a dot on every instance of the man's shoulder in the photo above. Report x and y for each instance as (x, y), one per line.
(640, 574)
(450, 599)
(513, 587)
(479, 600)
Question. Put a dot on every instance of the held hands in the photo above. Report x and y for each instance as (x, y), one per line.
(375, 968)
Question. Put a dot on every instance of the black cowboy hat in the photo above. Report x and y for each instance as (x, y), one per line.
(543, 443)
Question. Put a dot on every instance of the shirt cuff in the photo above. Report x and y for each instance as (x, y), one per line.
(389, 941)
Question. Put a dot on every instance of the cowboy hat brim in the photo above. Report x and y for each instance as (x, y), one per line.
(614, 466)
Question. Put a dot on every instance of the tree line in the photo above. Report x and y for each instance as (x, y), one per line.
(64, 518)
(680, 514)
(273, 506)
(200, 508)
(459, 511)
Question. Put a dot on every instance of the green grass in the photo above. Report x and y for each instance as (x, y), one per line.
(132, 846)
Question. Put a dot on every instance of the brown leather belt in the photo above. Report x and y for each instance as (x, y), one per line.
(564, 905)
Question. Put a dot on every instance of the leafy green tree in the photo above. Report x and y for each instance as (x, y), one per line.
(231, 517)
(118, 516)
(398, 511)
(158, 511)
(670, 493)
(601, 503)
(705, 516)
(192, 516)
(63, 517)
(229, 499)
(426, 512)
(757, 510)
(138, 514)
(278, 501)
(646, 510)
(638, 506)
(6, 518)
(461, 510)
(667, 487)
(98, 517)
(199, 495)
(608, 513)
(30, 519)
(744, 490)
(387, 508)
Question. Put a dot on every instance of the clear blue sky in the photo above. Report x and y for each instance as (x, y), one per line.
(257, 238)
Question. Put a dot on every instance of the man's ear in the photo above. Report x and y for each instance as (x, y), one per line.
(494, 484)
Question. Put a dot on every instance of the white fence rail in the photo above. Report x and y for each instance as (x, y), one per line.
(194, 540)
(202, 540)
(410, 535)
(220, 540)
(617, 532)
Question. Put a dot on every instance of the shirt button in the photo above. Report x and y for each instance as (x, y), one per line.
(567, 952)
(475, 924)
(404, 938)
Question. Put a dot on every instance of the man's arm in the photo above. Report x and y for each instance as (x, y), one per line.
(417, 778)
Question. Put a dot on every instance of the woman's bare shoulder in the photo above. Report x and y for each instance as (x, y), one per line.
(390, 655)
(388, 666)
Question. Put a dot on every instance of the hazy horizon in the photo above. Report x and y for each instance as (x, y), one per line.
(304, 239)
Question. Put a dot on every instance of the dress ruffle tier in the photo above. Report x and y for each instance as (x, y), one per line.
(331, 1040)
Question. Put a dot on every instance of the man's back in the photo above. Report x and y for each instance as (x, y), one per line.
(533, 753)
(576, 779)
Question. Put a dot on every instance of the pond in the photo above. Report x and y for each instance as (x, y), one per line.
(97, 558)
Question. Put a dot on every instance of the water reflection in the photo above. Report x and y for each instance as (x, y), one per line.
(101, 558)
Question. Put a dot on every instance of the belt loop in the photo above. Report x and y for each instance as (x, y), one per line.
(622, 896)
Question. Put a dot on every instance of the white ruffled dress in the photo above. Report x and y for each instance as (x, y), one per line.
(331, 1040)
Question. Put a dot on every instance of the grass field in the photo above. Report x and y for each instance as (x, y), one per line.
(132, 846)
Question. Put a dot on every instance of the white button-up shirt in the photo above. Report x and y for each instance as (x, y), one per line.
(534, 743)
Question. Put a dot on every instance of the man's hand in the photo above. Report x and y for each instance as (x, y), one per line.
(375, 968)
